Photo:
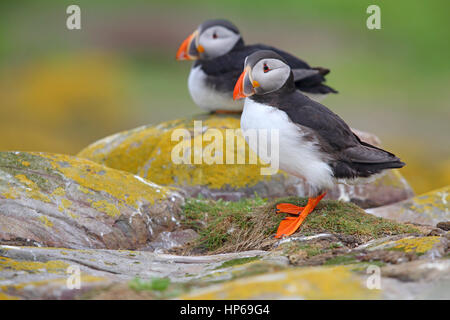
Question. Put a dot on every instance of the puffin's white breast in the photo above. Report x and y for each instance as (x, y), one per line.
(297, 155)
(206, 97)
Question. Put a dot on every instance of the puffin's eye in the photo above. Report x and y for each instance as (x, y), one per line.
(266, 68)
(214, 35)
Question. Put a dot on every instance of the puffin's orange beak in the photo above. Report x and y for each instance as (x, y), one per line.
(188, 50)
(244, 86)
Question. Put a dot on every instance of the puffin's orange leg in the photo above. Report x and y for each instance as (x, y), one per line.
(291, 224)
(289, 208)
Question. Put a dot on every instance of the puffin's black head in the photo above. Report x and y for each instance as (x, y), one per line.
(264, 71)
(213, 38)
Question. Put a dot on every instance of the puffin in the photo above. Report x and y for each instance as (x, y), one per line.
(314, 143)
(219, 53)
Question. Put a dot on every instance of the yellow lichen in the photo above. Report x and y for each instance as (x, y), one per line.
(417, 245)
(84, 190)
(59, 282)
(123, 186)
(23, 179)
(106, 207)
(439, 199)
(10, 194)
(46, 222)
(4, 296)
(39, 196)
(55, 266)
(25, 163)
(59, 192)
(307, 283)
(73, 215)
(33, 190)
(66, 203)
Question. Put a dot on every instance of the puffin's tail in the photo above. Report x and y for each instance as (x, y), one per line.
(367, 159)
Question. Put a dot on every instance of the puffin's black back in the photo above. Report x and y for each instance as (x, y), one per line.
(224, 71)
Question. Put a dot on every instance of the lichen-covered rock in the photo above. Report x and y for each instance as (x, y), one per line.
(42, 273)
(432, 246)
(308, 283)
(430, 208)
(420, 270)
(147, 152)
(63, 201)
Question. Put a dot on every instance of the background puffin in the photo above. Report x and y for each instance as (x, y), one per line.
(219, 51)
(314, 142)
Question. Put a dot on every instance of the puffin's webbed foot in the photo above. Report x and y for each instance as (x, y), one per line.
(291, 224)
(289, 208)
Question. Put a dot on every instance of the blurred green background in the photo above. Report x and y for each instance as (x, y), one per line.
(61, 90)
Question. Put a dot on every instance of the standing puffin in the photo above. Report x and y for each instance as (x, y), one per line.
(314, 143)
(219, 51)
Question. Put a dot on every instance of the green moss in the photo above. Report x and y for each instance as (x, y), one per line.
(26, 164)
(155, 284)
(221, 218)
(310, 249)
(339, 260)
(158, 288)
(235, 262)
(335, 245)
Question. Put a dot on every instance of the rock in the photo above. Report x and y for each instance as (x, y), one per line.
(388, 256)
(33, 272)
(43, 273)
(419, 270)
(168, 240)
(429, 209)
(147, 152)
(306, 283)
(63, 201)
(444, 225)
(416, 290)
(425, 247)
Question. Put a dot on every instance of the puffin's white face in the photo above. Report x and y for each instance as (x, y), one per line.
(216, 41)
(269, 75)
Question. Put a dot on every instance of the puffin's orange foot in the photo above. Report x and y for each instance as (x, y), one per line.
(291, 224)
(289, 208)
(288, 226)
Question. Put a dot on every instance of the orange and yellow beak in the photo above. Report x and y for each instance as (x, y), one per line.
(189, 49)
(245, 87)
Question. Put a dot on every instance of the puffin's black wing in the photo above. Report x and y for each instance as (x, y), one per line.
(224, 71)
(311, 84)
(350, 156)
